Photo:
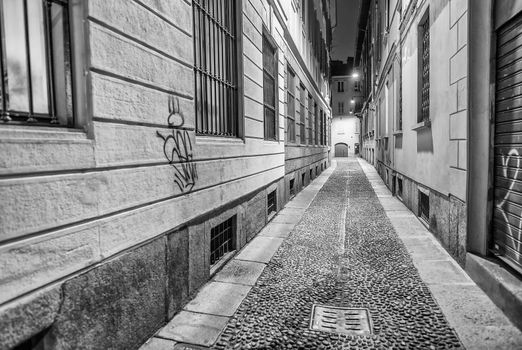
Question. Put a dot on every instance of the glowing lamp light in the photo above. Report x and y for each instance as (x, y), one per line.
(352, 101)
(355, 75)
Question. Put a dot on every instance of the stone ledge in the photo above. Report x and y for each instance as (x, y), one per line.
(504, 288)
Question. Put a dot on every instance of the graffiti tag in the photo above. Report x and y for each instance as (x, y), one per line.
(500, 205)
(177, 148)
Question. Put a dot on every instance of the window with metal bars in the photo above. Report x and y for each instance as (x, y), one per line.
(222, 239)
(424, 68)
(399, 188)
(269, 87)
(341, 107)
(340, 86)
(216, 67)
(310, 120)
(424, 206)
(302, 115)
(292, 187)
(290, 104)
(316, 124)
(271, 202)
(35, 62)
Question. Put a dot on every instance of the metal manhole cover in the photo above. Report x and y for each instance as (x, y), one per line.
(342, 320)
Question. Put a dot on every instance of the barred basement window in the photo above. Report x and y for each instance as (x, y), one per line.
(303, 179)
(269, 87)
(424, 68)
(271, 202)
(222, 239)
(424, 206)
(311, 174)
(399, 188)
(290, 103)
(292, 187)
(35, 62)
(216, 67)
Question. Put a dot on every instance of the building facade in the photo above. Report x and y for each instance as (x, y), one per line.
(143, 143)
(346, 95)
(444, 128)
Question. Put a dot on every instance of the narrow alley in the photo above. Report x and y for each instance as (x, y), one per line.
(260, 174)
(344, 242)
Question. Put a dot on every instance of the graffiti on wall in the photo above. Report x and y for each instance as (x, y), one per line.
(177, 148)
(509, 192)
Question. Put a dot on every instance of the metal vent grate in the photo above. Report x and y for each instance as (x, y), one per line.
(341, 320)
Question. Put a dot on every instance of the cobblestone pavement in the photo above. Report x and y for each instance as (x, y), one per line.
(363, 264)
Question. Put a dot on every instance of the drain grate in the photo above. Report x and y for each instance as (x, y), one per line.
(342, 320)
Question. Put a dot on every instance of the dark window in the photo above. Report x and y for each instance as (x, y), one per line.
(35, 62)
(215, 67)
(272, 202)
(341, 107)
(424, 68)
(222, 239)
(303, 175)
(399, 188)
(292, 187)
(424, 206)
(316, 124)
(340, 86)
(290, 104)
(302, 115)
(311, 174)
(310, 120)
(269, 88)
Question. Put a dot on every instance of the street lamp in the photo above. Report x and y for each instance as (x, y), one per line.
(355, 75)
(352, 101)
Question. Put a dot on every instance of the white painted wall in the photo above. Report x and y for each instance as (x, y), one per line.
(346, 129)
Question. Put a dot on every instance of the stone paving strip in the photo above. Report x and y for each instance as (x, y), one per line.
(203, 319)
(479, 323)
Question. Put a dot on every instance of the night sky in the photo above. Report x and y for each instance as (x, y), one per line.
(344, 34)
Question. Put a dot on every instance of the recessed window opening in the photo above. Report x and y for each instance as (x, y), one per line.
(272, 202)
(399, 188)
(424, 206)
(35, 63)
(222, 239)
(292, 187)
(36, 342)
(215, 68)
(311, 174)
(303, 175)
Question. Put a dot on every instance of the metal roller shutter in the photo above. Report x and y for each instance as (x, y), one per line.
(507, 215)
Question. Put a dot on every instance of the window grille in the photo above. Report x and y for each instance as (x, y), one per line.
(222, 239)
(310, 120)
(424, 206)
(340, 86)
(292, 187)
(290, 100)
(215, 67)
(302, 116)
(425, 70)
(35, 62)
(316, 125)
(269, 88)
(272, 202)
(399, 188)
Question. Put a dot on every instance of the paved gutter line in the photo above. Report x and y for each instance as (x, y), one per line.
(198, 323)
(479, 323)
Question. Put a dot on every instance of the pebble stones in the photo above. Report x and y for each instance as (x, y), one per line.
(374, 272)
